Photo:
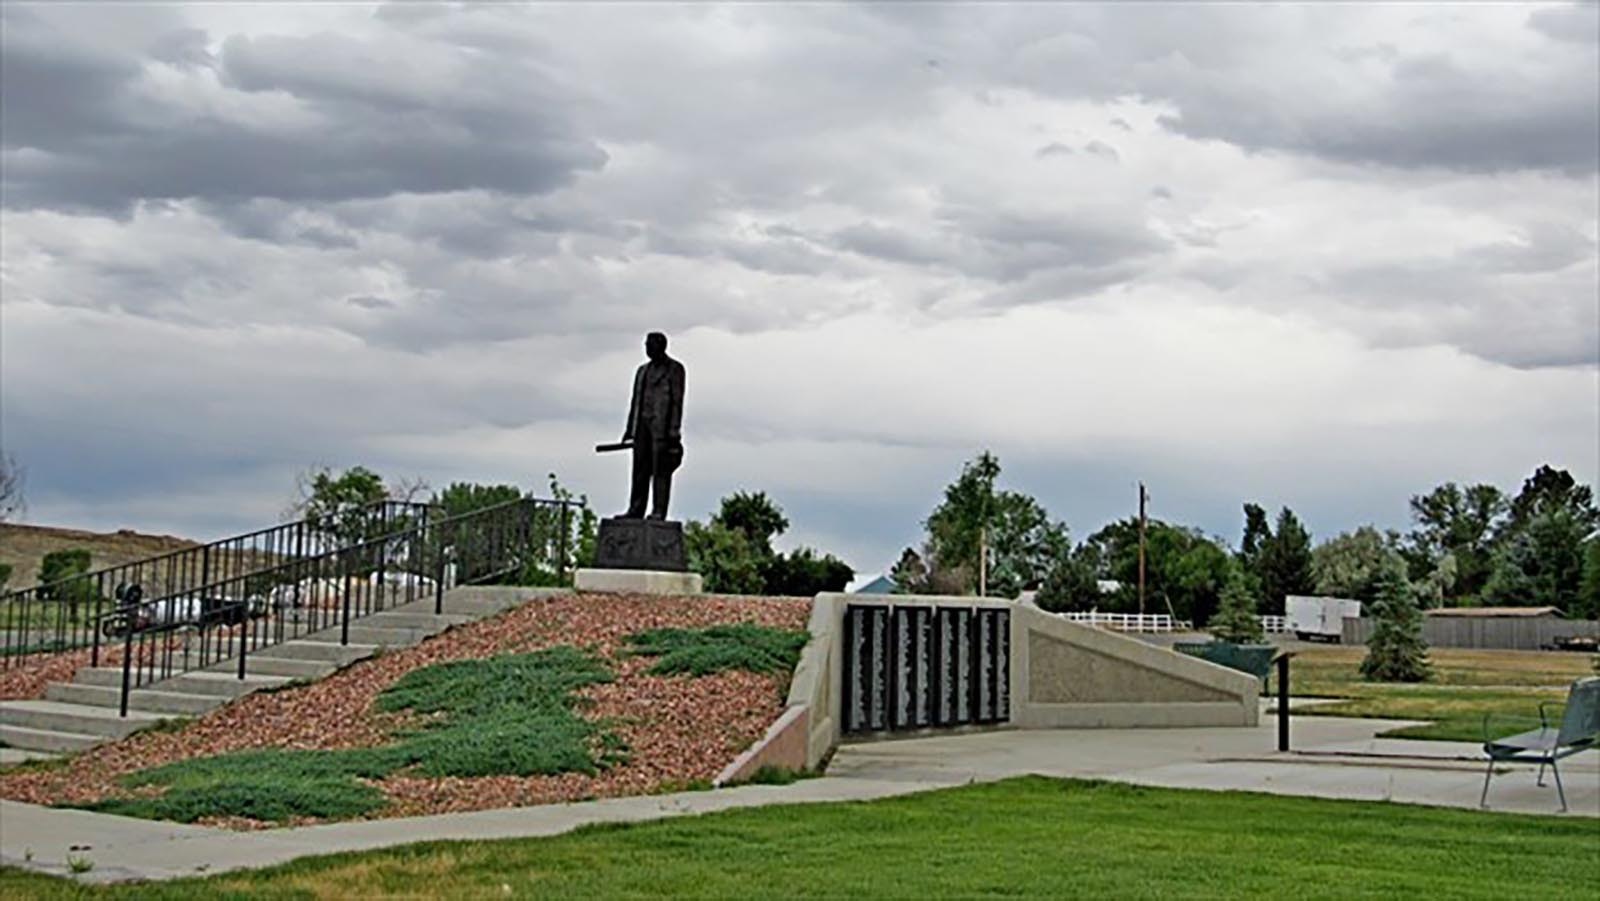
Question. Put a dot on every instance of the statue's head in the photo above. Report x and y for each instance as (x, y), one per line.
(655, 345)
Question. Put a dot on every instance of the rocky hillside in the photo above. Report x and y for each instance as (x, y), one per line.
(24, 546)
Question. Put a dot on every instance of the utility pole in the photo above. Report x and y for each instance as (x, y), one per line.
(983, 561)
(1143, 496)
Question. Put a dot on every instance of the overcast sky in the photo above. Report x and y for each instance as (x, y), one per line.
(1324, 255)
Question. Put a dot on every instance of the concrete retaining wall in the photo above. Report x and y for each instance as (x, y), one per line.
(1061, 675)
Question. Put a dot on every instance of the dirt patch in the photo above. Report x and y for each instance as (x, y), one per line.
(680, 730)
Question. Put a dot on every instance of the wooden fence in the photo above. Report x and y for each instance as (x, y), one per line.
(1498, 633)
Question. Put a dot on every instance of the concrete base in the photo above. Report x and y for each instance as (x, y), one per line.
(638, 581)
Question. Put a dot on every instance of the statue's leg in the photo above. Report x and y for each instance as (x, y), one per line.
(662, 489)
(640, 495)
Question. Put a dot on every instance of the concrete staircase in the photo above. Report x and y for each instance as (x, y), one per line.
(84, 712)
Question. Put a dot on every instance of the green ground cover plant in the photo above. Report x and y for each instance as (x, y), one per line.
(509, 715)
(1032, 836)
(700, 652)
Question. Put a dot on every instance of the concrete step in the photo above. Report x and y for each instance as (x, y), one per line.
(311, 649)
(225, 684)
(146, 700)
(10, 756)
(81, 719)
(264, 665)
(46, 740)
(361, 633)
(391, 619)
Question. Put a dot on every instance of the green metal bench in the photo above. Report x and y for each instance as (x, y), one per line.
(1579, 731)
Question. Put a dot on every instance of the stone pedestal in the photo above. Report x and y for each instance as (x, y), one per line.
(641, 544)
(637, 581)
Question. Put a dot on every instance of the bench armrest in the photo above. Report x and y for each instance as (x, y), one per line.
(1544, 721)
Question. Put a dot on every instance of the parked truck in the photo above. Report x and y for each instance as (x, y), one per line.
(1318, 618)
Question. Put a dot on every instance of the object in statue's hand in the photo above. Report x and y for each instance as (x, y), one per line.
(607, 448)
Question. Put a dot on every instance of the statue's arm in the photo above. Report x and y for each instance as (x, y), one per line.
(675, 409)
(633, 409)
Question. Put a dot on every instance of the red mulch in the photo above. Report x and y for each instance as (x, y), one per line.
(26, 676)
(678, 729)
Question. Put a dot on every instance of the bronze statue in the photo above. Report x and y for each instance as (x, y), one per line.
(655, 419)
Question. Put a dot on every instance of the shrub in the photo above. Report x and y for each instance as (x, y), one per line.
(508, 715)
(700, 652)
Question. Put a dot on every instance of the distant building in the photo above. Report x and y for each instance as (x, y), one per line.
(880, 585)
(1498, 612)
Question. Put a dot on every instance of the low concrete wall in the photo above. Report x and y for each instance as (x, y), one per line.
(1060, 675)
(814, 686)
(783, 747)
(1067, 675)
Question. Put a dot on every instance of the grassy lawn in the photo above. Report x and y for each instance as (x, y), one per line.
(1031, 836)
(1466, 685)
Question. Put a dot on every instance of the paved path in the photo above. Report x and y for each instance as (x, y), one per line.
(1337, 758)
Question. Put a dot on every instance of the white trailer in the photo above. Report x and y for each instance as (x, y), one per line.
(1318, 618)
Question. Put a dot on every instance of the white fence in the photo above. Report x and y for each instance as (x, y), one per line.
(1274, 625)
(1130, 622)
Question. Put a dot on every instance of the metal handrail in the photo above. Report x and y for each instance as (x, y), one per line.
(64, 613)
(235, 617)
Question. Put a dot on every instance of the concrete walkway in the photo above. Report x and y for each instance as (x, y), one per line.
(1336, 758)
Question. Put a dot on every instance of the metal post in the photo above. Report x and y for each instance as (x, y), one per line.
(244, 629)
(127, 657)
(561, 548)
(1283, 701)
(433, 535)
(344, 630)
(1142, 498)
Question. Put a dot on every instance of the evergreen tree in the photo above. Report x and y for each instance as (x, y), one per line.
(1285, 562)
(1396, 651)
(1588, 606)
(1236, 619)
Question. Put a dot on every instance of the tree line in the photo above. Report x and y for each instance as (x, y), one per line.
(1472, 545)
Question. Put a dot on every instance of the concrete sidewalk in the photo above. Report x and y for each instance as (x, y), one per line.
(1336, 758)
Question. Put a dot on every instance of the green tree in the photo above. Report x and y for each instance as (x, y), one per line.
(1541, 564)
(1550, 490)
(337, 505)
(958, 527)
(754, 515)
(1022, 541)
(62, 578)
(1184, 573)
(1396, 652)
(910, 573)
(1236, 618)
(1257, 532)
(803, 573)
(723, 557)
(1588, 606)
(1070, 585)
(1347, 566)
(5, 575)
(1460, 522)
(1285, 563)
(468, 497)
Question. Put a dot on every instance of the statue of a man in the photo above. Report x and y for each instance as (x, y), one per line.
(654, 421)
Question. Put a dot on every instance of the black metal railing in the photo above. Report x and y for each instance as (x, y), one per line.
(521, 541)
(64, 614)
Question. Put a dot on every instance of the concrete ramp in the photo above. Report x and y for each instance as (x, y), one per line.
(1067, 675)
